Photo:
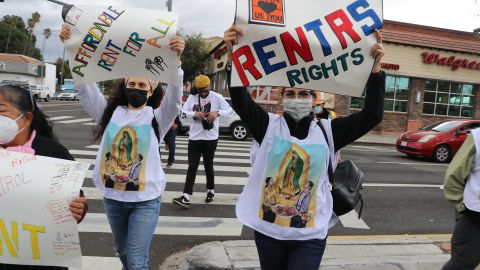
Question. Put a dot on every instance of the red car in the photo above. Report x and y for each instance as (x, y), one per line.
(439, 141)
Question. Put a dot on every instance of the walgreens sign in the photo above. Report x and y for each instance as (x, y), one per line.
(451, 61)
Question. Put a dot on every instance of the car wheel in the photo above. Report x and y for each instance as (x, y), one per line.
(239, 132)
(442, 153)
(47, 99)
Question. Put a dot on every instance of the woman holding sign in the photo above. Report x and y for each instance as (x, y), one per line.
(127, 167)
(294, 235)
(24, 128)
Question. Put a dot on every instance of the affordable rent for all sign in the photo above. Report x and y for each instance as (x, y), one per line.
(306, 44)
(36, 225)
(110, 43)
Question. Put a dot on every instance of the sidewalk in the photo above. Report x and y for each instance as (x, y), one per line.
(355, 253)
(387, 139)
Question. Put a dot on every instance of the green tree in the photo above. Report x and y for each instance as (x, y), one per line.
(31, 23)
(47, 33)
(67, 74)
(195, 56)
(13, 31)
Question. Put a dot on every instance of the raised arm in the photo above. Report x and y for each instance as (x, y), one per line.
(348, 129)
(92, 101)
(254, 117)
(171, 105)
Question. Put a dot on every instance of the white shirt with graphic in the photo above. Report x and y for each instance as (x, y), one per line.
(300, 205)
(214, 102)
(128, 166)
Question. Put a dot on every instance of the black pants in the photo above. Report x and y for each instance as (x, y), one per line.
(27, 267)
(465, 243)
(169, 139)
(289, 254)
(195, 150)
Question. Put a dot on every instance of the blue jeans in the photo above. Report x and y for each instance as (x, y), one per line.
(289, 254)
(133, 225)
(169, 139)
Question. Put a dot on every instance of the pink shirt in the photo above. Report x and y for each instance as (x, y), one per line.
(26, 148)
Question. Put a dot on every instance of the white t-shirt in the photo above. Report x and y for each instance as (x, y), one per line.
(128, 166)
(214, 102)
(471, 194)
(287, 195)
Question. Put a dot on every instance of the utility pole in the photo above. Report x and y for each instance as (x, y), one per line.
(169, 5)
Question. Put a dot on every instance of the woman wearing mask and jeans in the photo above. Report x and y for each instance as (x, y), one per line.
(25, 129)
(293, 152)
(131, 127)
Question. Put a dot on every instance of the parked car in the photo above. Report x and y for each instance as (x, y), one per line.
(439, 141)
(40, 92)
(68, 94)
(230, 125)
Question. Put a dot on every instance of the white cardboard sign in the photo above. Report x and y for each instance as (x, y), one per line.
(36, 225)
(111, 43)
(318, 45)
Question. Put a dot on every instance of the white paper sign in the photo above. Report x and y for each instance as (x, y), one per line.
(36, 226)
(111, 43)
(319, 45)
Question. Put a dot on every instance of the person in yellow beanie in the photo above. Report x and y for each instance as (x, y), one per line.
(203, 110)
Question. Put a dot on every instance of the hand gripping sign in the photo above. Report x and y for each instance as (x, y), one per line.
(319, 45)
(36, 225)
(110, 43)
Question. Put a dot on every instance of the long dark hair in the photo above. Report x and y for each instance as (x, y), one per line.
(119, 98)
(21, 99)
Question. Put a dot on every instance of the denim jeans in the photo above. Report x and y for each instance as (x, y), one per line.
(169, 139)
(133, 225)
(289, 254)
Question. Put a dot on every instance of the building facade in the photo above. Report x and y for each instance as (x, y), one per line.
(433, 74)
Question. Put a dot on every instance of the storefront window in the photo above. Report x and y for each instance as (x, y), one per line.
(396, 95)
(448, 98)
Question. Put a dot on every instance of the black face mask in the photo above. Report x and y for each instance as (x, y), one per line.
(136, 97)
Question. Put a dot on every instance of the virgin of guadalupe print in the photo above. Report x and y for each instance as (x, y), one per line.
(289, 191)
(124, 150)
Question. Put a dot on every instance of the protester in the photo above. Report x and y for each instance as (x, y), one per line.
(319, 109)
(296, 238)
(169, 140)
(203, 109)
(131, 129)
(462, 187)
(26, 129)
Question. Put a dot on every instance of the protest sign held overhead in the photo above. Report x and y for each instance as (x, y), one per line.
(112, 42)
(36, 225)
(306, 44)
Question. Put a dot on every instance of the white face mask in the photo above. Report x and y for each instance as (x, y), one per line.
(297, 108)
(8, 129)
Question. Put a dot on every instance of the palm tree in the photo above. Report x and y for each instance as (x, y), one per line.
(47, 33)
(31, 23)
(12, 21)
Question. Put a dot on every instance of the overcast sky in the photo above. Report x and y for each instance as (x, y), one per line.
(212, 17)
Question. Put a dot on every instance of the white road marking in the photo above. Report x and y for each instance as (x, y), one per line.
(185, 151)
(167, 196)
(412, 163)
(104, 263)
(60, 118)
(170, 225)
(75, 121)
(402, 185)
(350, 220)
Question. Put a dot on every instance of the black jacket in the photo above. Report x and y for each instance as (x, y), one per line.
(345, 130)
(50, 148)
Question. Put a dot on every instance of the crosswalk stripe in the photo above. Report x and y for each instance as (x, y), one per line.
(185, 166)
(95, 263)
(351, 220)
(185, 151)
(167, 196)
(165, 154)
(232, 143)
(200, 179)
(171, 225)
(75, 121)
(56, 118)
(89, 124)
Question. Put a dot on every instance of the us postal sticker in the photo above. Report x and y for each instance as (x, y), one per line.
(270, 12)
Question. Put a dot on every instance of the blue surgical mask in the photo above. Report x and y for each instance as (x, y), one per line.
(318, 109)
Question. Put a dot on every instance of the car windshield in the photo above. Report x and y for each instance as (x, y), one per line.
(443, 126)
